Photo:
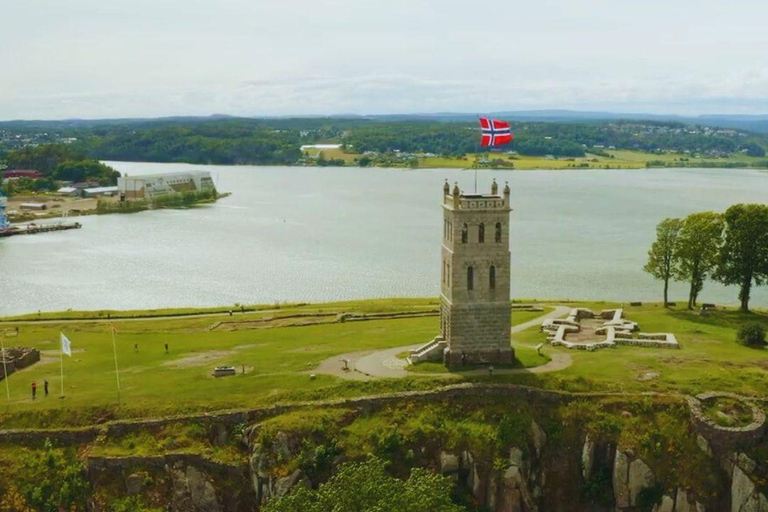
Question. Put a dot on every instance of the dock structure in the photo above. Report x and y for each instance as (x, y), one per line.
(3, 219)
(33, 229)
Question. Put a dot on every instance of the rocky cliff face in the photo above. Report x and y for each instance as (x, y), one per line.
(594, 473)
(503, 454)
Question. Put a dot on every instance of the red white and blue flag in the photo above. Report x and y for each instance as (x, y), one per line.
(495, 132)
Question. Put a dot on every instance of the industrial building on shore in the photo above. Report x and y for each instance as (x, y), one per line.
(150, 186)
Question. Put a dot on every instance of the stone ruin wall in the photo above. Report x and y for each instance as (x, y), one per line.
(18, 358)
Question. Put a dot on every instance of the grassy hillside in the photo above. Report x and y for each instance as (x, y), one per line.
(279, 354)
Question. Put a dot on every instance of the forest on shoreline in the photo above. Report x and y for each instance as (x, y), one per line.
(243, 141)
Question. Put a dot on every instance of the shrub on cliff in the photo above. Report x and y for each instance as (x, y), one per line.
(365, 486)
(53, 479)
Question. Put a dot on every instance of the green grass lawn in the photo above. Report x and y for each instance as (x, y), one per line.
(520, 317)
(279, 361)
(709, 357)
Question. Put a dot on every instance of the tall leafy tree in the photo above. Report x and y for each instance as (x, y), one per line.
(698, 244)
(744, 257)
(662, 260)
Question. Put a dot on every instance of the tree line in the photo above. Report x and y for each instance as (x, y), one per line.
(730, 248)
(232, 141)
(57, 163)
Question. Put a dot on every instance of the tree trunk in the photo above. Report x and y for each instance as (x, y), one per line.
(746, 287)
(666, 290)
(691, 294)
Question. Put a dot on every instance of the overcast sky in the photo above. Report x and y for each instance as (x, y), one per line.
(142, 58)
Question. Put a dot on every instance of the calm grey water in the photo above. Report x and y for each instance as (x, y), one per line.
(310, 234)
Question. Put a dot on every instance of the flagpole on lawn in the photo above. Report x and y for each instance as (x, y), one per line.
(117, 370)
(5, 369)
(61, 355)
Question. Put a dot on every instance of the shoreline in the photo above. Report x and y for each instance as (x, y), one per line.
(18, 220)
(107, 315)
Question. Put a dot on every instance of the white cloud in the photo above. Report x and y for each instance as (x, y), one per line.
(140, 58)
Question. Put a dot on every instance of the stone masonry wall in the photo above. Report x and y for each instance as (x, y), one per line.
(475, 320)
(484, 326)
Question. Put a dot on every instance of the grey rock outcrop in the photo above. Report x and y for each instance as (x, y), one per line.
(685, 502)
(514, 494)
(744, 495)
(587, 458)
(640, 477)
(285, 484)
(667, 505)
(704, 445)
(193, 491)
(539, 437)
(620, 479)
(630, 477)
(134, 484)
(449, 463)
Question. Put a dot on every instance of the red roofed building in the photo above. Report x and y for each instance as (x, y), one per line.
(22, 173)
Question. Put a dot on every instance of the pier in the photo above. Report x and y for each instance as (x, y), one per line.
(33, 229)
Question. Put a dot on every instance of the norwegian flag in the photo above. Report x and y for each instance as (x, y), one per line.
(495, 132)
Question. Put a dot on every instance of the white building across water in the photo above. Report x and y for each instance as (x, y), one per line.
(150, 186)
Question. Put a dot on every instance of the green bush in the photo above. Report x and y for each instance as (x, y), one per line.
(186, 198)
(751, 335)
(54, 479)
(366, 486)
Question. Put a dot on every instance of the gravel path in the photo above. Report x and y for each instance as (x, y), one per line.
(384, 364)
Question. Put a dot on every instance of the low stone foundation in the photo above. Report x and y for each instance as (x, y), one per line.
(616, 329)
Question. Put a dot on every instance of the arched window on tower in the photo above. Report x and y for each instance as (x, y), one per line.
(481, 234)
(470, 278)
(464, 233)
(492, 278)
(498, 232)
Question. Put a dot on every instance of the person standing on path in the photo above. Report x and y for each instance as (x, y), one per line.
(45, 387)
(34, 390)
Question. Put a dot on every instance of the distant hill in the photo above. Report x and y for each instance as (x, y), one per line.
(230, 140)
(751, 123)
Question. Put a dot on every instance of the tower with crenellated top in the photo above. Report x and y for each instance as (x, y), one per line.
(475, 306)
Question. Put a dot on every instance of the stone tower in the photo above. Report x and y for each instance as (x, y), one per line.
(474, 294)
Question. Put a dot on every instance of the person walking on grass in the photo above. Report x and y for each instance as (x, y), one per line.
(34, 390)
(45, 387)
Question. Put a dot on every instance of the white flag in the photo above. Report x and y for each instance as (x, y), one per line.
(66, 345)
